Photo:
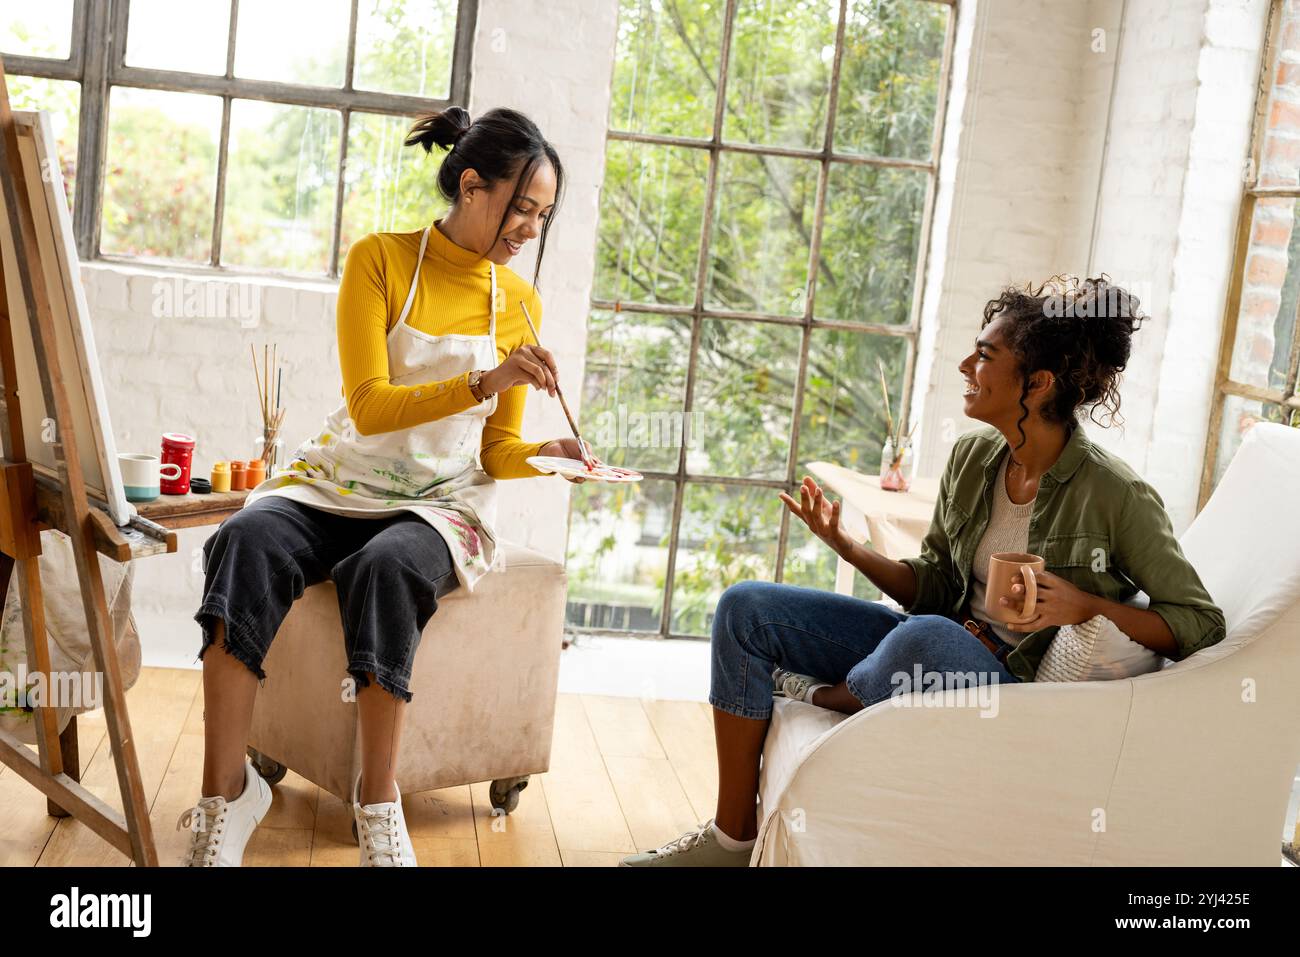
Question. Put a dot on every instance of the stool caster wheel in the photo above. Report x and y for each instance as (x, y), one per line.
(504, 793)
(272, 772)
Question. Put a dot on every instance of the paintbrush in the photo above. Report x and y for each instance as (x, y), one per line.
(582, 446)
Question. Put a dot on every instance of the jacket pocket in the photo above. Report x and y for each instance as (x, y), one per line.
(954, 520)
(1078, 550)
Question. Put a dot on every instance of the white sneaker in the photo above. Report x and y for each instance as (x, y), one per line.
(381, 831)
(224, 827)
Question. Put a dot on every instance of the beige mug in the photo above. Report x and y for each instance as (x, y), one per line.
(1003, 567)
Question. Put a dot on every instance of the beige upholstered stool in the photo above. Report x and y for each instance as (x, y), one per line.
(483, 687)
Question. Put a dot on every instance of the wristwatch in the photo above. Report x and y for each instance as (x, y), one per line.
(475, 389)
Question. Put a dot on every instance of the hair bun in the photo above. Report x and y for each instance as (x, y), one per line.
(443, 128)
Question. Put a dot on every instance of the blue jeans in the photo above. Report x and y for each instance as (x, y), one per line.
(389, 573)
(876, 651)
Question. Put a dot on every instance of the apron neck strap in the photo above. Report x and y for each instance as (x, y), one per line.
(415, 280)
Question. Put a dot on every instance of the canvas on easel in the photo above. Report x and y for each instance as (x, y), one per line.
(47, 362)
(76, 338)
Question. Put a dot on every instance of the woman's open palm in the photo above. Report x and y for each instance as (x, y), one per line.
(821, 517)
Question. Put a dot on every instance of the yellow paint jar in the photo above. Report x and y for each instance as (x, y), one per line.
(221, 477)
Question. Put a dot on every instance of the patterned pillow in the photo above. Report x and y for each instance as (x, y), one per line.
(1095, 650)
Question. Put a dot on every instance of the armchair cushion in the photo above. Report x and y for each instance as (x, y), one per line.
(1095, 650)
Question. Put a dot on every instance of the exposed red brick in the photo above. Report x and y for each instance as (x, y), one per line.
(1260, 305)
(1284, 116)
(1272, 235)
(1265, 270)
(1288, 74)
(1283, 153)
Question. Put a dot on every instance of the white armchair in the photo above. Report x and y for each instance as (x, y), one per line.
(1189, 765)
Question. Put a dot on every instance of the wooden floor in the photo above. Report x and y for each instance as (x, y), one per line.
(626, 774)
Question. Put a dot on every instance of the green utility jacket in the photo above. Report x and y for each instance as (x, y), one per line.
(1096, 524)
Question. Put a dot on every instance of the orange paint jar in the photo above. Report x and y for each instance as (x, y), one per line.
(238, 476)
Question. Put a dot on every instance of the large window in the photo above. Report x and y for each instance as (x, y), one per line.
(1259, 360)
(769, 177)
(262, 136)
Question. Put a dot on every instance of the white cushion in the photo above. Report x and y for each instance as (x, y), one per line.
(1095, 650)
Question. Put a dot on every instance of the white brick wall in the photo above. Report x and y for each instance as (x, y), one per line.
(1142, 190)
(553, 61)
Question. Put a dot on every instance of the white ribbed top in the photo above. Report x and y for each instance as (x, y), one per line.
(1008, 531)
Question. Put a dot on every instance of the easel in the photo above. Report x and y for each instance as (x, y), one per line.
(29, 503)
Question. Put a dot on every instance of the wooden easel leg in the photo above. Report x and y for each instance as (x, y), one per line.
(71, 762)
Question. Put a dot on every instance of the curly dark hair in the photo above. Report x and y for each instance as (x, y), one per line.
(1078, 330)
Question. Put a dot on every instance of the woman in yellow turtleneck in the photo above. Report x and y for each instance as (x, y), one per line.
(392, 565)
(449, 302)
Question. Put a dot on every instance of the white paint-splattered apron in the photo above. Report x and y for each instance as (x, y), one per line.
(433, 469)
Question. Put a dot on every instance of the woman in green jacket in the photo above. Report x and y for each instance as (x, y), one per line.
(1030, 480)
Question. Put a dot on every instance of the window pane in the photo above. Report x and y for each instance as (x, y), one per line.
(405, 46)
(889, 77)
(651, 211)
(871, 238)
(37, 29)
(618, 554)
(762, 222)
(728, 535)
(1239, 415)
(62, 98)
(1266, 321)
(634, 388)
(387, 187)
(293, 41)
(666, 70)
(843, 418)
(187, 36)
(160, 175)
(811, 563)
(281, 181)
(744, 398)
(1280, 155)
(781, 58)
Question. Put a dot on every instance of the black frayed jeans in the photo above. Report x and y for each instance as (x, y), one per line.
(389, 572)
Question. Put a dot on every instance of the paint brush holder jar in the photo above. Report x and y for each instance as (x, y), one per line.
(272, 450)
(895, 466)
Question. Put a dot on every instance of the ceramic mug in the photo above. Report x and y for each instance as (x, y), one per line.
(142, 475)
(1003, 567)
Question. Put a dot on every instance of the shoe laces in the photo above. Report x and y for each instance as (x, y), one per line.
(792, 685)
(205, 844)
(381, 834)
(688, 841)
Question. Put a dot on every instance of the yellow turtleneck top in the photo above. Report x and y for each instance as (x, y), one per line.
(452, 298)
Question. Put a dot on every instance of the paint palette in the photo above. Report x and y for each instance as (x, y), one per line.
(573, 468)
